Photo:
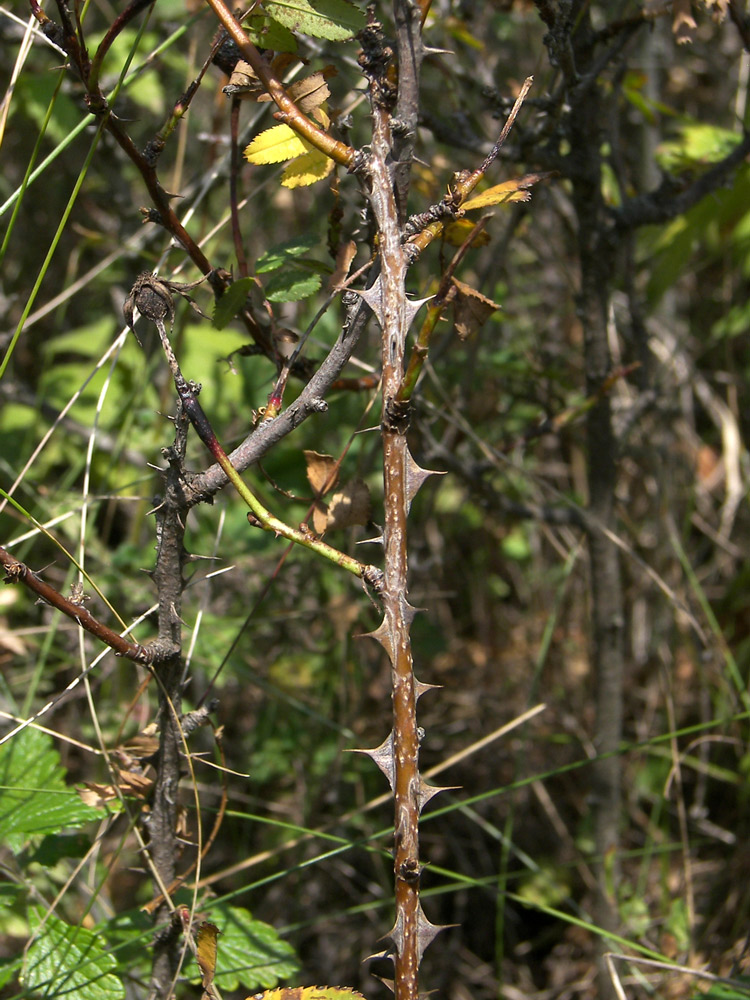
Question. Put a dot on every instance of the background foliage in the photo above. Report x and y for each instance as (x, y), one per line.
(301, 868)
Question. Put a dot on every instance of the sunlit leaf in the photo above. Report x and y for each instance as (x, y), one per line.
(501, 194)
(206, 948)
(275, 145)
(307, 169)
(335, 20)
(699, 145)
(69, 962)
(309, 993)
(34, 798)
(292, 284)
(349, 506)
(457, 232)
(282, 253)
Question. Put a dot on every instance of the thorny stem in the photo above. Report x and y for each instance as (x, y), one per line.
(394, 632)
(169, 582)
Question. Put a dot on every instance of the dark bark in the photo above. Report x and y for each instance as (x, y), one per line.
(584, 165)
(162, 820)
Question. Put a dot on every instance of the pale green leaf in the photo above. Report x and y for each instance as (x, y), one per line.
(292, 284)
(231, 302)
(275, 145)
(33, 796)
(250, 952)
(66, 961)
(282, 253)
(269, 34)
(335, 20)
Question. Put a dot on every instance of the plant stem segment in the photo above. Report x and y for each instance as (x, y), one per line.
(260, 515)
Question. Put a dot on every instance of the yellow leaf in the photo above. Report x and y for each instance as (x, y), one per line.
(206, 946)
(308, 993)
(274, 145)
(322, 116)
(500, 194)
(456, 232)
(307, 169)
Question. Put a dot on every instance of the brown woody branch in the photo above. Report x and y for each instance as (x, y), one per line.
(18, 572)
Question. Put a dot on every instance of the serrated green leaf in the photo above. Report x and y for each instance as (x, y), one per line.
(66, 961)
(9, 970)
(292, 284)
(335, 20)
(33, 796)
(250, 953)
(231, 302)
(55, 847)
(269, 34)
(283, 253)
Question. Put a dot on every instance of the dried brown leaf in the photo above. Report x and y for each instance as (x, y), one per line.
(350, 506)
(322, 473)
(310, 93)
(344, 257)
(320, 517)
(683, 22)
(471, 309)
(96, 795)
(244, 83)
(134, 783)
